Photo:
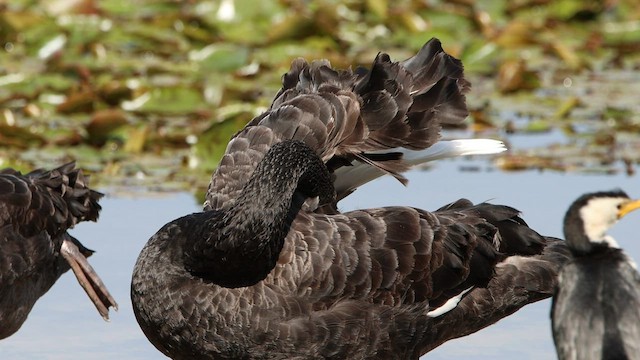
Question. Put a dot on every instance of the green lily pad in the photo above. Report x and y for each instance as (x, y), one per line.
(173, 100)
(220, 57)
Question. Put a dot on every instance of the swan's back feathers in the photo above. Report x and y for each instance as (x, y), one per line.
(236, 166)
(51, 201)
(348, 116)
(396, 255)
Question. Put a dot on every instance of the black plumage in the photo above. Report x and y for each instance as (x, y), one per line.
(271, 269)
(36, 210)
(596, 309)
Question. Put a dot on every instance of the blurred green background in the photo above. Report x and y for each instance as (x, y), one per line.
(147, 93)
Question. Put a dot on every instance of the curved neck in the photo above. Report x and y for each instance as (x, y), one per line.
(240, 246)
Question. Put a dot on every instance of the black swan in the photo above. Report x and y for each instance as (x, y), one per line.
(36, 210)
(596, 309)
(272, 270)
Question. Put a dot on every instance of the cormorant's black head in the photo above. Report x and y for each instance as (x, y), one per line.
(592, 214)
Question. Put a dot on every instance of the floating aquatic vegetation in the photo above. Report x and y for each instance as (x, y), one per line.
(150, 92)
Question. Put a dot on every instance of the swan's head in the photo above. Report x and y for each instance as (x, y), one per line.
(591, 215)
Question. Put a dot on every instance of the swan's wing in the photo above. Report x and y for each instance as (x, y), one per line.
(350, 118)
(380, 273)
(518, 281)
(397, 253)
(51, 201)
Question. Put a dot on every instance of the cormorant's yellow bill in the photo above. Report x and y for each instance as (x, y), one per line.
(628, 207)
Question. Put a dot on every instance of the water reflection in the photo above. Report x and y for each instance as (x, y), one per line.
(64, 324)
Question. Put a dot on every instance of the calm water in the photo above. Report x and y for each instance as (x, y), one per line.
(64, 324)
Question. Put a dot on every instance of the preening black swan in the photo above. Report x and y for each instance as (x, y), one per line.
(272, 270)
(36, 210)
(596, 310)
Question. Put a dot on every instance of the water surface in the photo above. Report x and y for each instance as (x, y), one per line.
(64, 324)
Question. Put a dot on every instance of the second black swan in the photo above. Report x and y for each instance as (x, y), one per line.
(36, 210)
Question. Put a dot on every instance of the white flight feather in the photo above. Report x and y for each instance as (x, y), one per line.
(349, 178)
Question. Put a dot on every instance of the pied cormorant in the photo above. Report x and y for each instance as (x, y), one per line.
(596, 309)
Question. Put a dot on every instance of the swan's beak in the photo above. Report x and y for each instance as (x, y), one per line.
(88, 278)
(628, 207)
